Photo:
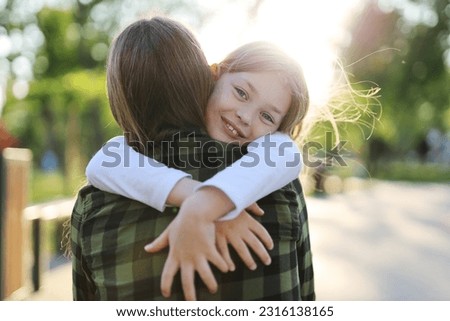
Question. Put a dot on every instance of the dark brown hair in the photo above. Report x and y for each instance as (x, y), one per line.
(158, 80)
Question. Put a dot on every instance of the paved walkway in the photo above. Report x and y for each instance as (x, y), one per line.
(389, 241)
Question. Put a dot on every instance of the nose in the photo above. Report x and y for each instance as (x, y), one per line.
(245, 115)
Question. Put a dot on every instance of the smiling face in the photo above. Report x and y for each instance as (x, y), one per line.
(246, 105)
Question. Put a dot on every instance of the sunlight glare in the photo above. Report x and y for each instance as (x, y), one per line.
(309, 31)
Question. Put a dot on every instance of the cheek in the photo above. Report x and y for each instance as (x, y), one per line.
(219, 100)
(212, 104)
(209, 118)
(210, 114)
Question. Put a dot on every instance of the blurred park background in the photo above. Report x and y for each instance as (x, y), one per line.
(54, 115)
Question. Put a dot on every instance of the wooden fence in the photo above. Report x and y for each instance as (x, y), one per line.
(22, 260)
(15, 176)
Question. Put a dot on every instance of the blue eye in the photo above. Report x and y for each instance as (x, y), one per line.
(268, 117)
(241, 93)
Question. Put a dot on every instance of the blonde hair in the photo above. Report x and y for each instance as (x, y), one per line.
(266, 57)
(348, 103)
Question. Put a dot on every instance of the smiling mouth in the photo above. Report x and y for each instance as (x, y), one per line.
(233, 130)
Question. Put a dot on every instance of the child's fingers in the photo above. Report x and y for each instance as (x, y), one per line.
(187, 282)
(263, 235)
(258, 248)
(204, 270)
(244, 253)
(159, 243)
(215, 258)
(255, 210)
(167, 275)
(222, 246)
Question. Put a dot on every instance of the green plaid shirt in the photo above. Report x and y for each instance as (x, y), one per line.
(108, 234)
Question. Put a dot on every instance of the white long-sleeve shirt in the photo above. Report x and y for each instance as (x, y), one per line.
(272, 161)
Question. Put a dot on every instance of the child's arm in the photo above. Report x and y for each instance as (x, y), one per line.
(272, 161)
(119, 169)
(215, 203)
(193, 243)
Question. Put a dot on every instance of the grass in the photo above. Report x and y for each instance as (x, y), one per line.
(341, 178)
(414, 172)
(47, 186)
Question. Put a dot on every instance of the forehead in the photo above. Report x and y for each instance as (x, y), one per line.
(254, 76)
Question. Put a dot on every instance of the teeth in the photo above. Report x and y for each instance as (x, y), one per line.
(231, 128)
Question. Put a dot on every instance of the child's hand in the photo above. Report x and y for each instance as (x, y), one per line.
(243, 233)
(255, 210)
(192, 240)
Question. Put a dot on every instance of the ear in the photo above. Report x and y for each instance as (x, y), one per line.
(215, 71)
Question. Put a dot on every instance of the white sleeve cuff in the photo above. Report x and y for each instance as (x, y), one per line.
(272, 162)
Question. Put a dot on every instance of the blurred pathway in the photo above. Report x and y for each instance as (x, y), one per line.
(390, 241)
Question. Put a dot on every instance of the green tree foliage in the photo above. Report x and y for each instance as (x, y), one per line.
(402, 47)
(65, 109)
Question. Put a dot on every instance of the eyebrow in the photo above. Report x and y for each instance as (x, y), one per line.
(270, 106)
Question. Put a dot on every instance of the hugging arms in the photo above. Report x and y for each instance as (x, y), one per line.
(256, 90)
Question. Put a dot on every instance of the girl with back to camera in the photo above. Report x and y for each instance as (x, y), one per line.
(256, 93)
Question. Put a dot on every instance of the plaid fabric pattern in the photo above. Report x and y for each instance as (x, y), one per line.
(108, 234)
